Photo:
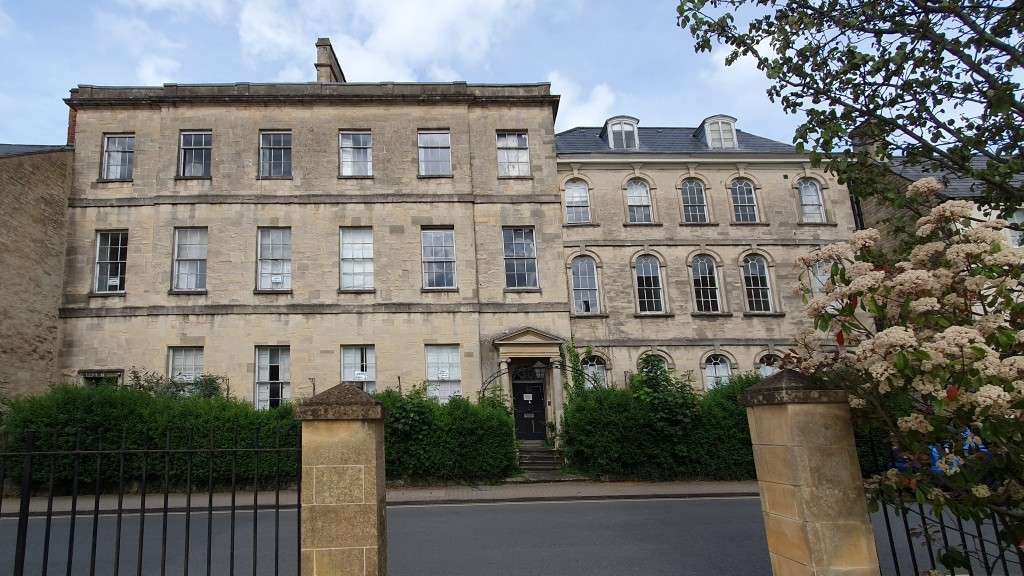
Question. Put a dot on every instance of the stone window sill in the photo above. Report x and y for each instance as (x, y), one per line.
(711, 314)
(515, 177)
(265, 291)
(750, 224)
(658, 315)
(580, 225)
(193, 177)
(698, 224)
(355, 177)
(357, 290)
(585, 316)
(434, 176)
(765, 314)
(273, 177)
(523, 290)
(439, 289)
(813, 224)
(114, 181)
(173, 292)
(120, 294)
(642, 224)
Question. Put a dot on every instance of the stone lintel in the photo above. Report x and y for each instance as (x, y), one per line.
(791, 387)
(342, 402)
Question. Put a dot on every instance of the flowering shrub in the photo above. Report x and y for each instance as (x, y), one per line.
(931, 351)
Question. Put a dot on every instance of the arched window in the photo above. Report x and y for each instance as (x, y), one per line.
(812, 208)
(577, 202)
(648, 284)
(654, 357)
(820, 274)
(596, 371)
(716, 371)
(622, 135)
(756, 284)
(695, 205)
(768, 364)
(638, 199)
(705, 284)
(744, 203)
(584, 285)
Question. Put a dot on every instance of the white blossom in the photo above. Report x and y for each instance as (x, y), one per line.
(865, 238)
(915, 422)
(926, 304)
(924, 188)
(981, 491)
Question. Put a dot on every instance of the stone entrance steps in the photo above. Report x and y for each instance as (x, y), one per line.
(535, 455)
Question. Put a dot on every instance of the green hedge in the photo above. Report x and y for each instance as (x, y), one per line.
(660, 429)
(456, 441)
(107, 418)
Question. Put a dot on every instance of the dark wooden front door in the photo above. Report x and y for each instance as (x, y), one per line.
(528, 403)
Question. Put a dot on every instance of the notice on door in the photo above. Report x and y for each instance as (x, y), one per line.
(528, 397)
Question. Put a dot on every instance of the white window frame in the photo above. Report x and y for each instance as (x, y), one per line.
(127, 157)
(813, 212)
(428, 261)
(721, 134)
(352, 164)
(285, 259)
(445, 164)
(720, 376)
(507, 167)
(200, 273)
(114, 375)
(263, 400)
(188, 357)
(660, 288)
(637, 200)
(100, 262)
(204, 149)
(577, 202)
(715, 277)
(749, 289)
(623, 126)
(521, 253)
(690, 189)
(357, 262)
(746, 183)
(577, 289)
(766, 370)
(362, 370)
(596, 369)
(271, 162)
(443, 371)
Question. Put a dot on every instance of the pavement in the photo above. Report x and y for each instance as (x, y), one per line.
(406, 495)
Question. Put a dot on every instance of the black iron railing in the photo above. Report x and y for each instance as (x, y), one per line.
(914, 539)
(221, 504)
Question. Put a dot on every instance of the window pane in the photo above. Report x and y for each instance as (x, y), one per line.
(118, 157)
(444, 373)
(705, 284)
(272, 376)
(186, 364)
(755, 283)
(638, 198)
(356, 258)
(695, 210)
(648, 284)
(520, 258)
(438, 248)
(716, 370)
(275, 155)
(811, 206)
(743, 201)
(275, 253)
(111, 261)
(584, 286)
(359, 367)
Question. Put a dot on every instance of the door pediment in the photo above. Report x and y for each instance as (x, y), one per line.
(528, 342)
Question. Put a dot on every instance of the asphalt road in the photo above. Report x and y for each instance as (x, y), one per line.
(593, 538)
(679, 537)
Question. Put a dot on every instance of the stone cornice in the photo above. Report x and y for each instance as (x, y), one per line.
(313, 199)
(380, 308)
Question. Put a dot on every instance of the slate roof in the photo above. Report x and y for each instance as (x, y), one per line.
(956, 186)
(674, 140)
(19, 149)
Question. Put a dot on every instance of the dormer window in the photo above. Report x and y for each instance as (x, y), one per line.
(719, 132)
(622, 134)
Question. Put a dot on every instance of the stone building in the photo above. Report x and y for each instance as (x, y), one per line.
(34, 182)
(291, 236)
(683, 242)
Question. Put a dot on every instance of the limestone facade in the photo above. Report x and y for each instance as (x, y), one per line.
(496, 326)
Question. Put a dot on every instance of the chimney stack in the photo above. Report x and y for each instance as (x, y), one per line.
(327, 67)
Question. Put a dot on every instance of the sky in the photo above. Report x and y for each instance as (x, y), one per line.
(604, 57)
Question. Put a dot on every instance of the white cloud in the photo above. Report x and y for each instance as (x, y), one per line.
(216, 8)
(155, 69)
(442, 73)
(398, 40)
(575, 109)
(133, 33)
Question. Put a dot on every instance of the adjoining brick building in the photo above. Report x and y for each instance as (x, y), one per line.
(34, 184)
(291, 236)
